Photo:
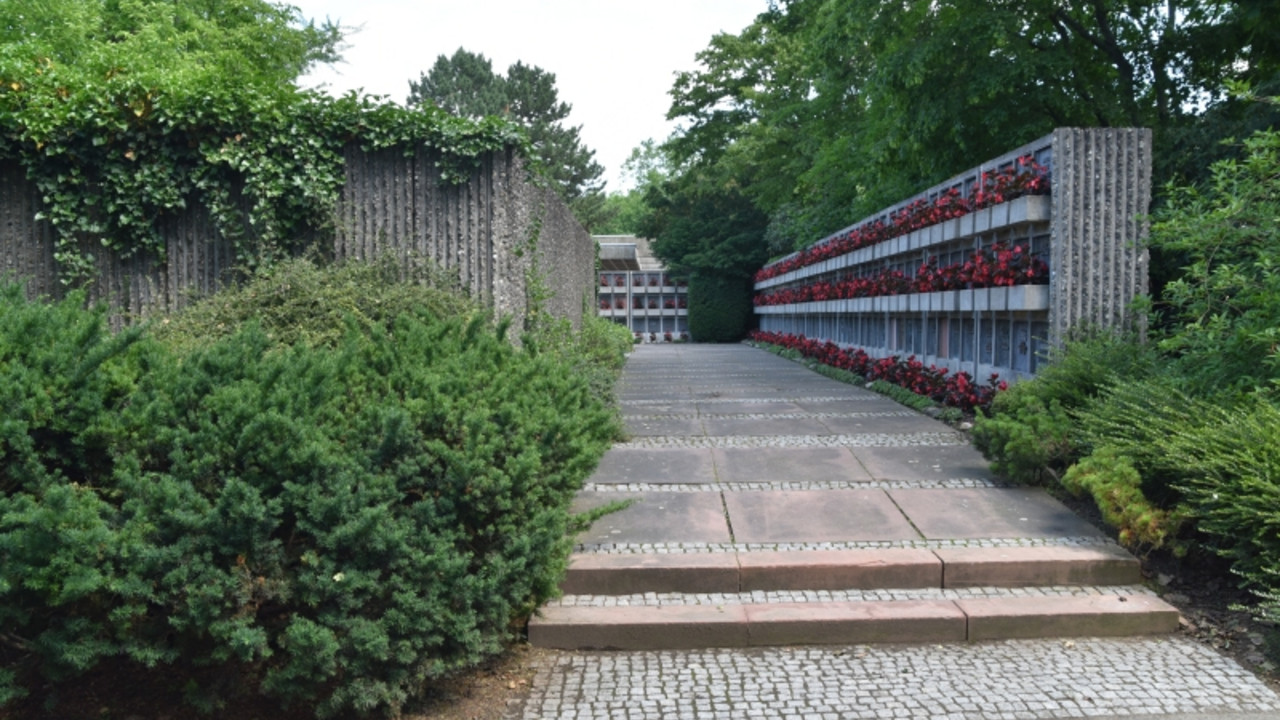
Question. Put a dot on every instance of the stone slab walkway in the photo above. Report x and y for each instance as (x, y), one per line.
(752, 479)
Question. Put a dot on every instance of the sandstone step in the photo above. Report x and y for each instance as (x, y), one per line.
(957, 567)
(677, 621)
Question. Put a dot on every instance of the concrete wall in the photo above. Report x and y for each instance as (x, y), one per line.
(1101, 195)
(492, 231)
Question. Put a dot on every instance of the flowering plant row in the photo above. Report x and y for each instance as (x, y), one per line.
(955, 390)
(996, 266)
(1026, 177)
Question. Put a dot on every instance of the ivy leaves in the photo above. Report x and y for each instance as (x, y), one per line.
(133, 111)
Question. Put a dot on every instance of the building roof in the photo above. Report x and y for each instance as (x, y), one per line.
(626, 252)
(618, 256)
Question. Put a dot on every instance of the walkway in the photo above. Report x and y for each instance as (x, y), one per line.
(784, 526)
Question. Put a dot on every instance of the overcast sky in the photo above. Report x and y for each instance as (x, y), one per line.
(614, 60)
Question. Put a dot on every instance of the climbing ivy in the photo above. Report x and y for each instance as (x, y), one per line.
(112, 159)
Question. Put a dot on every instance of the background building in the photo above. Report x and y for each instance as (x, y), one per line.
(635, 290)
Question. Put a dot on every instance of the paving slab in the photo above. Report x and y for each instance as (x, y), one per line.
(897, 423)
(754, 427)
(657, 426)
(781, 516)
(850, 402)
(775, 465)
(656, 466)
(915, 463)
(1047, 565)
(655, 517)
(658, 409)
(861, 622)
(630, 574)
(839, 569)
(734, 407)
(989, 513)
(640, 628)
(1077, 616)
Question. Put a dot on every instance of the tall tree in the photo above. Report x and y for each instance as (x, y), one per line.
(170, 45)
(826, 110)
(466, 85)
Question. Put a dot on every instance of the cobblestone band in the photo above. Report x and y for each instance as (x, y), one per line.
(762, 597)
(943, 439)
(857, 397)
(1009, 680)
(945, 484)
(768, 416)
(700, 548)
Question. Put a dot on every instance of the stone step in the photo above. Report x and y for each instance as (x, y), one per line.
(707, 620)
(943, 567)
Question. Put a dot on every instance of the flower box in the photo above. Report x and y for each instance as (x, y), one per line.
(1029, 298)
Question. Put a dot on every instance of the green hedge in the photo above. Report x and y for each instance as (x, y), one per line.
(336, 524)
(720, 308)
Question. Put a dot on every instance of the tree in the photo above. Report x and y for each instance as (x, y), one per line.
(167, 45)
(466, 85)
(827, 110)
(624, 213)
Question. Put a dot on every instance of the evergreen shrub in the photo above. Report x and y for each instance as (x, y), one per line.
(1026, 440)
(1116, 488)
(1029, 434)
(338, 523)
(1230, 482)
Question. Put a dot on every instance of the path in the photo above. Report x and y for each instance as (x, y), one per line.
(799, 547)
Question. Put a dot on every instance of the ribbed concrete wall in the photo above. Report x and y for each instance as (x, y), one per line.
(488, 231)
(1101, 194)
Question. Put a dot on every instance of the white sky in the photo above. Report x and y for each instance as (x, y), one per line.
(614, 60)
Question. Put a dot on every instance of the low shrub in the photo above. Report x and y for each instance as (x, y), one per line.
(1230, 480)
(1026, 440)
(1116, 487)
(902, 395)
(301, 302)
(331, 525)
(596, 352)
(1029, 433)
(1134, 417)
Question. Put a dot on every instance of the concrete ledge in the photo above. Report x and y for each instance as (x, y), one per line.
(841, 623)
(679, 627)
(601, 574)
(839, 570)
(1028, 566)
(1082, 616)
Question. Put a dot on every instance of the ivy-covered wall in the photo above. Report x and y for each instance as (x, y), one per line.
(488, 229)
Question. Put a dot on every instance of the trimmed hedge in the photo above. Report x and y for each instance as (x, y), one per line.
(720, 309)
(333, 525)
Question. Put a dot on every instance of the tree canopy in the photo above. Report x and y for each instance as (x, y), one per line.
(466, 85)
(823, 111)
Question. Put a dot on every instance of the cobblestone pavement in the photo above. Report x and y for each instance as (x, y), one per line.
(828, 596)
(1010, 680)
(1166, 678)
